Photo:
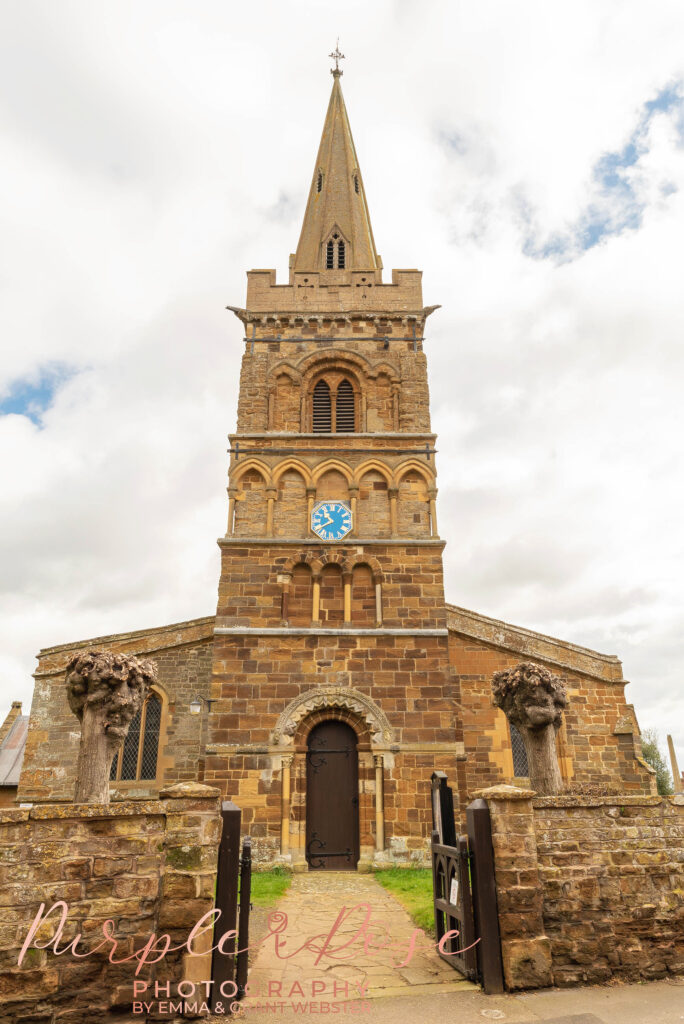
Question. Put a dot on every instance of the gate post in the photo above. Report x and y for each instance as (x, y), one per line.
(525, 949)
(484, 896)
(223, 965)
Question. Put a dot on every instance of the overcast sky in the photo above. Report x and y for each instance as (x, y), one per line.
(528, 157)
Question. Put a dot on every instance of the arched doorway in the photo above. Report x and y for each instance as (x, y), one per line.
(332, 797)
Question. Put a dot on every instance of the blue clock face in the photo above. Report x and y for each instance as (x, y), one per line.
(331, 520)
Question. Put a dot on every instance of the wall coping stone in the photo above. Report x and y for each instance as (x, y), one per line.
(8, 814)
(304, 631)
(541, 647)
(189, 791)
(504, 793)
(621, 800)
(121, 809)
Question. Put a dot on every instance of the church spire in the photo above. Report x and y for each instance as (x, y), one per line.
(336, 233)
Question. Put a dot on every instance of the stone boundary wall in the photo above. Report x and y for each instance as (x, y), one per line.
(147, 866)
(589, 889)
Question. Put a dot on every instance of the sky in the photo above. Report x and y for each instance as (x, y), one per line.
(528, 157)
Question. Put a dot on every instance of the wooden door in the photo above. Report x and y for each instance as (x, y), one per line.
(332, 798)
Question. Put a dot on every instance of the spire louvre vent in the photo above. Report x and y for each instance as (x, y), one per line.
(322, 408)
(344, 409)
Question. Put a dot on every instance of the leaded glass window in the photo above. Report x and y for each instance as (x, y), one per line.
(137, 759)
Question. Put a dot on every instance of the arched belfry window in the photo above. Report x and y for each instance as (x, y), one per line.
(344, 408)
(322, 408)
(137, 758)
(333, 406)
(335, 253)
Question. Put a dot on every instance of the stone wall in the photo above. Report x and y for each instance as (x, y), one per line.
(148, 866)
(588, 889)
(183, 655)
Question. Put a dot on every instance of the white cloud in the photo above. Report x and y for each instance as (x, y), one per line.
(152, 153)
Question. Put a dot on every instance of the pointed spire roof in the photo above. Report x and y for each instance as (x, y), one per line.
(337, 199)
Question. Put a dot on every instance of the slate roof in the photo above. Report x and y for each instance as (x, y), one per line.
(12, 752)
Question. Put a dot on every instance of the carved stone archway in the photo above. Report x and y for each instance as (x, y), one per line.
(332, 697)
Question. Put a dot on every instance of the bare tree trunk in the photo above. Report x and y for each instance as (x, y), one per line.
(94, 758)
(542, 759)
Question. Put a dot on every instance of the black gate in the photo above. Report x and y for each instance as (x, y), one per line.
(465, 900)
(453, 905)
(233, 890)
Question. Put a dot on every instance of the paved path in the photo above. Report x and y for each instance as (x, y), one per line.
(362, 960)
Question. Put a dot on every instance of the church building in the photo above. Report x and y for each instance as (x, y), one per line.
(334, 678)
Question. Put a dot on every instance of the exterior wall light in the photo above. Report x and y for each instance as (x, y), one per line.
(196, 704)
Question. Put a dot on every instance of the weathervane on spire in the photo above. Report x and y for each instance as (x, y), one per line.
(337, 57)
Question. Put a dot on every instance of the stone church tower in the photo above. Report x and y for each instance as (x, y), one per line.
(334, 678)
(332, 698)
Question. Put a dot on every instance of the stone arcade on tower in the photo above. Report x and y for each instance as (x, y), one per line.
(334, 679)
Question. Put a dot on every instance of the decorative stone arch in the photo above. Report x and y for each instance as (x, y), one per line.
(295, 464)
(414, 465)
(372, 464)
(286, 368)
(416, 516)
(330, 699)
(240, 468)
(386, 368)
(334, 365)
(283, 385)
(246, 505)
(353, 560)
(325, 467)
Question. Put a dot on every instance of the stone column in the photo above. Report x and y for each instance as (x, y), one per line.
(353, 497)
(432, 495)
(271, 494)
(232, 491)
(347, 580)
(395, 407)
(676, 777)
(316, 609)
(393, 493)
(285, 607)
(378, 761)
(310, 498)
(285, 804)
(525, 949)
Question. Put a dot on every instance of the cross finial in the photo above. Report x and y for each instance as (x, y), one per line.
(337, 57)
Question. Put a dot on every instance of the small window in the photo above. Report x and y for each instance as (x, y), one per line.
(319, 181)
(137, 759)
(335, 253)
(356, 184)
(322, 408)
(520, 766)
(344, 409)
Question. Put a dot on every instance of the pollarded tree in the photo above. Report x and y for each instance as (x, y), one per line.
(105, 691)
(534, 700)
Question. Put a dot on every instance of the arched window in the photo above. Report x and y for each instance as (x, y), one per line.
(137, 759)
(356, 184)
(319, 181)
(344, 408)
(520, 765)
(322, 408)
(335, 253)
